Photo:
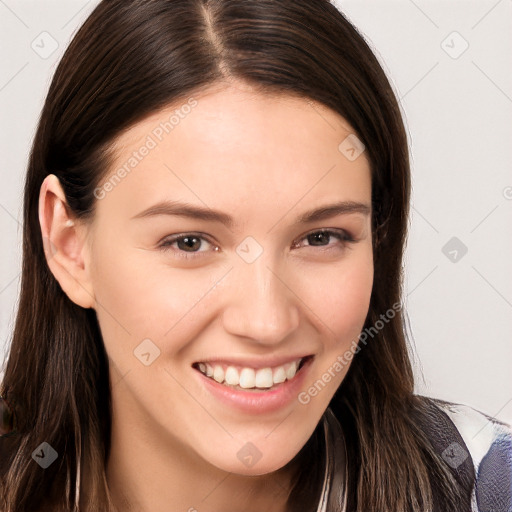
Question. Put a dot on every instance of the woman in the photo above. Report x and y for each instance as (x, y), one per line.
(210, 314)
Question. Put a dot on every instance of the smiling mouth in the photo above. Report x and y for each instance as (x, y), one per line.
(251, 379)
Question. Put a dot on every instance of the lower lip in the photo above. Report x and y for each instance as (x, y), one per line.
(258, 402)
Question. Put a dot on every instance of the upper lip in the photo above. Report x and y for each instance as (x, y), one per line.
(268, 362)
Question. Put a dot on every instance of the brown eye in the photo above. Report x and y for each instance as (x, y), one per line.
(189, 242)
(321, 238)
(186, 245)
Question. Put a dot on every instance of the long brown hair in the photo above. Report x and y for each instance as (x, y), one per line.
(128, 60)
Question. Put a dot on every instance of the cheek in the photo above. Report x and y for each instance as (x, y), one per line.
(139, 296)
(340, 304)
(123, 291)
(339, 297)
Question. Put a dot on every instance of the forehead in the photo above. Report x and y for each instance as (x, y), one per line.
(235, 148)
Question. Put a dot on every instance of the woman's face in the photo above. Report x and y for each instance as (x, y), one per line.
(264, 289)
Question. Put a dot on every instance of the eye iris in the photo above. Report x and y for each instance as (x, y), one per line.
(320, 236)
(190, 242)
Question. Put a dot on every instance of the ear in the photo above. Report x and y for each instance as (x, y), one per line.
(64, 240)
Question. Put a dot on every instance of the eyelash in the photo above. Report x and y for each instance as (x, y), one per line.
(341, 235)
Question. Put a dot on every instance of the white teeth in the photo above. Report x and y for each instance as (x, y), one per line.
(264, 378)
(279, 375)
(218, 373)
(248, 378)
(231, 376)
(291, 369)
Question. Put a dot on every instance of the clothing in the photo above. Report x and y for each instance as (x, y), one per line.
(477, 446)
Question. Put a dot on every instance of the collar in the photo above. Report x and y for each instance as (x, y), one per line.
(333, 497)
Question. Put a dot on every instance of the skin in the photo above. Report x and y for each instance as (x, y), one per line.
(264, 160)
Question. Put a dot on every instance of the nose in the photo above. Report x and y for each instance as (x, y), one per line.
(260, 305)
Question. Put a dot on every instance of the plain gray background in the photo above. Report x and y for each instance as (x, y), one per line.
(449, 63)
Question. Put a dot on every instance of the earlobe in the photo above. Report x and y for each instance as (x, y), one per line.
(64, 243)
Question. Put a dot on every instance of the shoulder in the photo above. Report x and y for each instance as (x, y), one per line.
(487, 442)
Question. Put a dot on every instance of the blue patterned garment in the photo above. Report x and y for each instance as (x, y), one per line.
(477, 447)
(489, 443)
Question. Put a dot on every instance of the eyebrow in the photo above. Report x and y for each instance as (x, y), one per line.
(180, 209)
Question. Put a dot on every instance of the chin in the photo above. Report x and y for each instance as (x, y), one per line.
(248, 461)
